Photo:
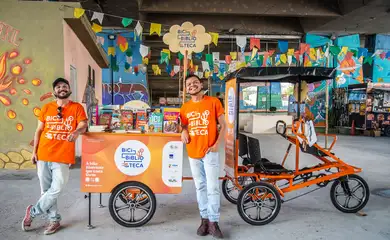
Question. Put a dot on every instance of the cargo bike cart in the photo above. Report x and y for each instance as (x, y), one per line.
(133, 168)
(262, 184)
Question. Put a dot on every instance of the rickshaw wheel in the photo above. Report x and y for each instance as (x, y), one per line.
(226, 190)
(262, 196)
(138, 197)
(359, 192)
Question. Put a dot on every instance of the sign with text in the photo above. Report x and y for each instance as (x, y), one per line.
(110, 159)
(231, 119)
(187, 37)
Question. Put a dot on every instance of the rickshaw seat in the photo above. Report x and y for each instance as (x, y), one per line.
(262, 165)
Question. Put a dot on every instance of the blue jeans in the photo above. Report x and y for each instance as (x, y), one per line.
(205, 172)
(52, 177)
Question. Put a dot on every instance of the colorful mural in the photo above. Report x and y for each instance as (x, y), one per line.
(128, 79)
(22, 93)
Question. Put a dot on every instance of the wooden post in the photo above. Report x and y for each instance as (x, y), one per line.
(185, 75)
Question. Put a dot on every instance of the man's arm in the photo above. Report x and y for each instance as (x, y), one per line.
(222, 132)
(81, 128)
(37, 136)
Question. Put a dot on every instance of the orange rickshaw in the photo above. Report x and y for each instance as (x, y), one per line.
(263, 184)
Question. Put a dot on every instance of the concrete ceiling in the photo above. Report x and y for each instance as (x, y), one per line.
(230, 17)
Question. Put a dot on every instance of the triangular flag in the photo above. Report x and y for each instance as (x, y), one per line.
(216, 56)
(214, 37)
(145, 61)
(78, 12)
(304, 48)
(129, 59)
(111, 51)
(283, 45)
(144, 50)
(254, 52)
(180, 56)
(99, 16)
(121, 40)
(126, 21)
(205, 66)
(290, 52)
(207, 74)
(155, 28)
(167, 51)
(289, 60)
(283, 58)
(228, 59)
(241, 41)
(335, 50)
(124, 47)
(138, 29)
(96, 28)
(254, 42)
(234, 55)
(129, 52)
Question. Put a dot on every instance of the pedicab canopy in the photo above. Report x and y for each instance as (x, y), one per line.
(295, 75)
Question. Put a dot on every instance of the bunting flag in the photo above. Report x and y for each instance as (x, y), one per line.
(155, 28)
(143, 50)
(99, 16)
(129, 52)
(138, 29)
(283, 58)
(78, 12)
(254, 42)
(334, 50)
(207, 74)
(198, 55)
(156, 70)
(124, 47)
(304, 48)
(290, 52)
(145, 61)
(214, 37)
(254, 53)
(283, 46)
(241, 41)
(126, 22)
(97, 28)
(344, 50)
(228, 59)
(234, 55)
(111, 51)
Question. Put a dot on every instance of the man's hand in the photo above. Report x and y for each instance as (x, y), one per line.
(213, 148)
(185, 137)
(73, 136)
(34, 158)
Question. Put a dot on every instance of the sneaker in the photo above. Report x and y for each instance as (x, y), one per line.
(203, 228)
(27, 220)
(214, 230)
(52, 228)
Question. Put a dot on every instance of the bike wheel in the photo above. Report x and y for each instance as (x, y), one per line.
(129, 200)
(259, 196)
(351, 187)
(230, 191)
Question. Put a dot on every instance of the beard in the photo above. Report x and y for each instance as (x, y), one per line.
(59, 96)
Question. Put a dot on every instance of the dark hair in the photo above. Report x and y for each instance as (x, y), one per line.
(195, 76)
(217, 94)
(58, 80)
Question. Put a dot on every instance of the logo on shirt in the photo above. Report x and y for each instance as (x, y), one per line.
(231, 107)
(198, 123)
(58, 128)
(132, 157)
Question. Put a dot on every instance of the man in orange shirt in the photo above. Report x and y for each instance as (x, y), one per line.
(60, 123)
(200, 118)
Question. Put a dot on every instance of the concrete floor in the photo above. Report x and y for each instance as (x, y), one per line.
(310, 217)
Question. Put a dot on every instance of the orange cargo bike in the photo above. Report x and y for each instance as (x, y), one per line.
(262, 184)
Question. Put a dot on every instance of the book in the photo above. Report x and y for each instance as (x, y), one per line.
(155, 123)
(171, 120)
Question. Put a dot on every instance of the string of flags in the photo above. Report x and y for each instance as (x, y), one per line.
(212, 64)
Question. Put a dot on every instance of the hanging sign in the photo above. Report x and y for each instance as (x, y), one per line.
(187, 37)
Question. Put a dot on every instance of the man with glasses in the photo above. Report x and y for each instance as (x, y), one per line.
(60, 123)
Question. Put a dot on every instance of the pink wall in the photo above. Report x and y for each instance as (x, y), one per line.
(77, 55)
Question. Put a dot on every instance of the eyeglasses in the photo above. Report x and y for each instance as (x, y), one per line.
(59, 110)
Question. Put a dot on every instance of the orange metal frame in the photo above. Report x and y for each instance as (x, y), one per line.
(334, 162)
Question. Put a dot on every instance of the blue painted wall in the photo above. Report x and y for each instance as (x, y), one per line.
(381, 67)
(132, 86)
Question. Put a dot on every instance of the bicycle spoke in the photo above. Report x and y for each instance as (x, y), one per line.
(356, 198)
(143, 208)
(251, 205)
(258, 213)
(346, 203)
(132, 210)
(356, 188)
(121, 208)
(269, 207)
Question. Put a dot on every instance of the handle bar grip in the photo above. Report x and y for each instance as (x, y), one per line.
(284, 127)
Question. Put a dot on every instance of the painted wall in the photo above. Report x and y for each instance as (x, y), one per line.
(381, 63)
(31, 57)
(128, 85)
(77, 56)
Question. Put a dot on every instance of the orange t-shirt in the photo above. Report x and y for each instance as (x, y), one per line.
(201, 119)
(53, 146)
